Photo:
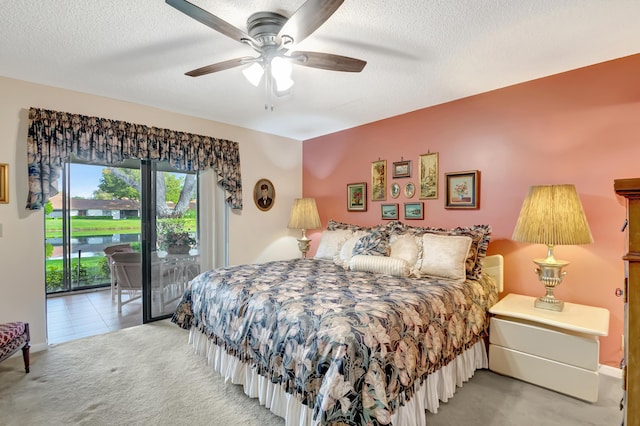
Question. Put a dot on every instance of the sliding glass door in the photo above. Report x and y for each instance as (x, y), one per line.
(172, 245)
(143, 206)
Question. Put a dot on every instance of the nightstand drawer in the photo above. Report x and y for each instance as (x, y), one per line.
(567, 379)
(575, 349)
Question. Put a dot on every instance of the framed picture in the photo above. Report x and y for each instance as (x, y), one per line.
(414, 210)
(357, 197)
(402, 169)
(4, 183)
(395, 190)
(463, 190)
(379, 180)
(264, 194)
(389, 211)
(428, 176)
(409, 190)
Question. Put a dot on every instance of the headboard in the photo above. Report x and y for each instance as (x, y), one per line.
(494, 266)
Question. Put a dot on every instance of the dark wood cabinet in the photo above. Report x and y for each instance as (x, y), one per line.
(630, 189)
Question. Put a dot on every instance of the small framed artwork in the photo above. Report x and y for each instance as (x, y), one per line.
(402, 169)
(357, 197)
(409, 190)
(4, 183)
(389, 211)
(264, 194)
(463, 190)
(379, 180)
(395, 190)
(428, 176)
(414, 210)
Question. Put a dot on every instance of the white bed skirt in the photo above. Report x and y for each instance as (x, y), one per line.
(439, 386)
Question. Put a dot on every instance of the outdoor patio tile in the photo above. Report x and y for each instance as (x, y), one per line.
(59, 322)
(74, 316)
(81, 317)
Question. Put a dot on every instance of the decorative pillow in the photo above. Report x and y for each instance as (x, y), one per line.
(407, 247)
(333, 225)
(444, 255)
(380, 265)
(479, 234)
(374, 243)
(330, 243)
(345, 249)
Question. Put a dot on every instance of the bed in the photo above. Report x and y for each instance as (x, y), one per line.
(383, 323)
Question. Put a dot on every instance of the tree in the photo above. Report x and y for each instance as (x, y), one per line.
(174, 185)
(120, 183)
(125, 183)
(48, 208)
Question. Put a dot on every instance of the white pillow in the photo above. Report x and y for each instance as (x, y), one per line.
(345, 252)
(407, 247)
(445, 255)
(330, 243)
(380, 265)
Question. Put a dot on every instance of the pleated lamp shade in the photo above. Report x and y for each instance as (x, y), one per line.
(304, 214)
(552, 215)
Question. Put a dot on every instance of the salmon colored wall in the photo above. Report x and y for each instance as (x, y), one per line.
(580, 127)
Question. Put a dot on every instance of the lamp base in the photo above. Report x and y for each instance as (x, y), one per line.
(550, 274)
(303, 245)
(550, 303)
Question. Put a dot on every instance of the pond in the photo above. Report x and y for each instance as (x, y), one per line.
(91, 245)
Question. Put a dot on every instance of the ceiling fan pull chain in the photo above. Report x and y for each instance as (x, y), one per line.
(268, 105)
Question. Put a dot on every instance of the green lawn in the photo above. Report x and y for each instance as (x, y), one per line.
(81, 227)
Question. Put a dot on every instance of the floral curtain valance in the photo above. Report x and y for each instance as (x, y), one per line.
(54, 136)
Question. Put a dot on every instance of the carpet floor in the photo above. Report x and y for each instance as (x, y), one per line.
(149, 375)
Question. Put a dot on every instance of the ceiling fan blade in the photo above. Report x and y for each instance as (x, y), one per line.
(220, 66)
(327, 61)
(308, 18)
(210, 20)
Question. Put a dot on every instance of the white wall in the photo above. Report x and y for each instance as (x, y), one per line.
(254, 236)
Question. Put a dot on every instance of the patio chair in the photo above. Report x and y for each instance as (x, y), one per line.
(128, 270)
(109, 251)
(13, 337)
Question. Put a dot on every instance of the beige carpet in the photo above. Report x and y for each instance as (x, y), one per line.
(144, 375)
(149, 375)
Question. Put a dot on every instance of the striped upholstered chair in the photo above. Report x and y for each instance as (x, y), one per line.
(13, 337)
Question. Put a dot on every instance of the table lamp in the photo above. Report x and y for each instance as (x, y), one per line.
(304, 215)
(552, 215)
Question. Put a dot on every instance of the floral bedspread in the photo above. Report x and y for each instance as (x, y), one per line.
(351, 345)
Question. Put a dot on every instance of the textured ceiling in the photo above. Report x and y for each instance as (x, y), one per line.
(419, 53)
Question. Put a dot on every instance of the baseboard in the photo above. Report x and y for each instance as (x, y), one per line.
(39, 347)
(610, 371)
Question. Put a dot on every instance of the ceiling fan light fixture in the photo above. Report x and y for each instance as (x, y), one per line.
(283, 84)
(254, 73)
(281, 70)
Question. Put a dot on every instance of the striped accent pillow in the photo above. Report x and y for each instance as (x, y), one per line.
(380, 265)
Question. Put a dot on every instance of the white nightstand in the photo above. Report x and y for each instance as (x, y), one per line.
(555, 350)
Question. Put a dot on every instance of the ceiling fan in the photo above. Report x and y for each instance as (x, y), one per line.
(273, 36)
